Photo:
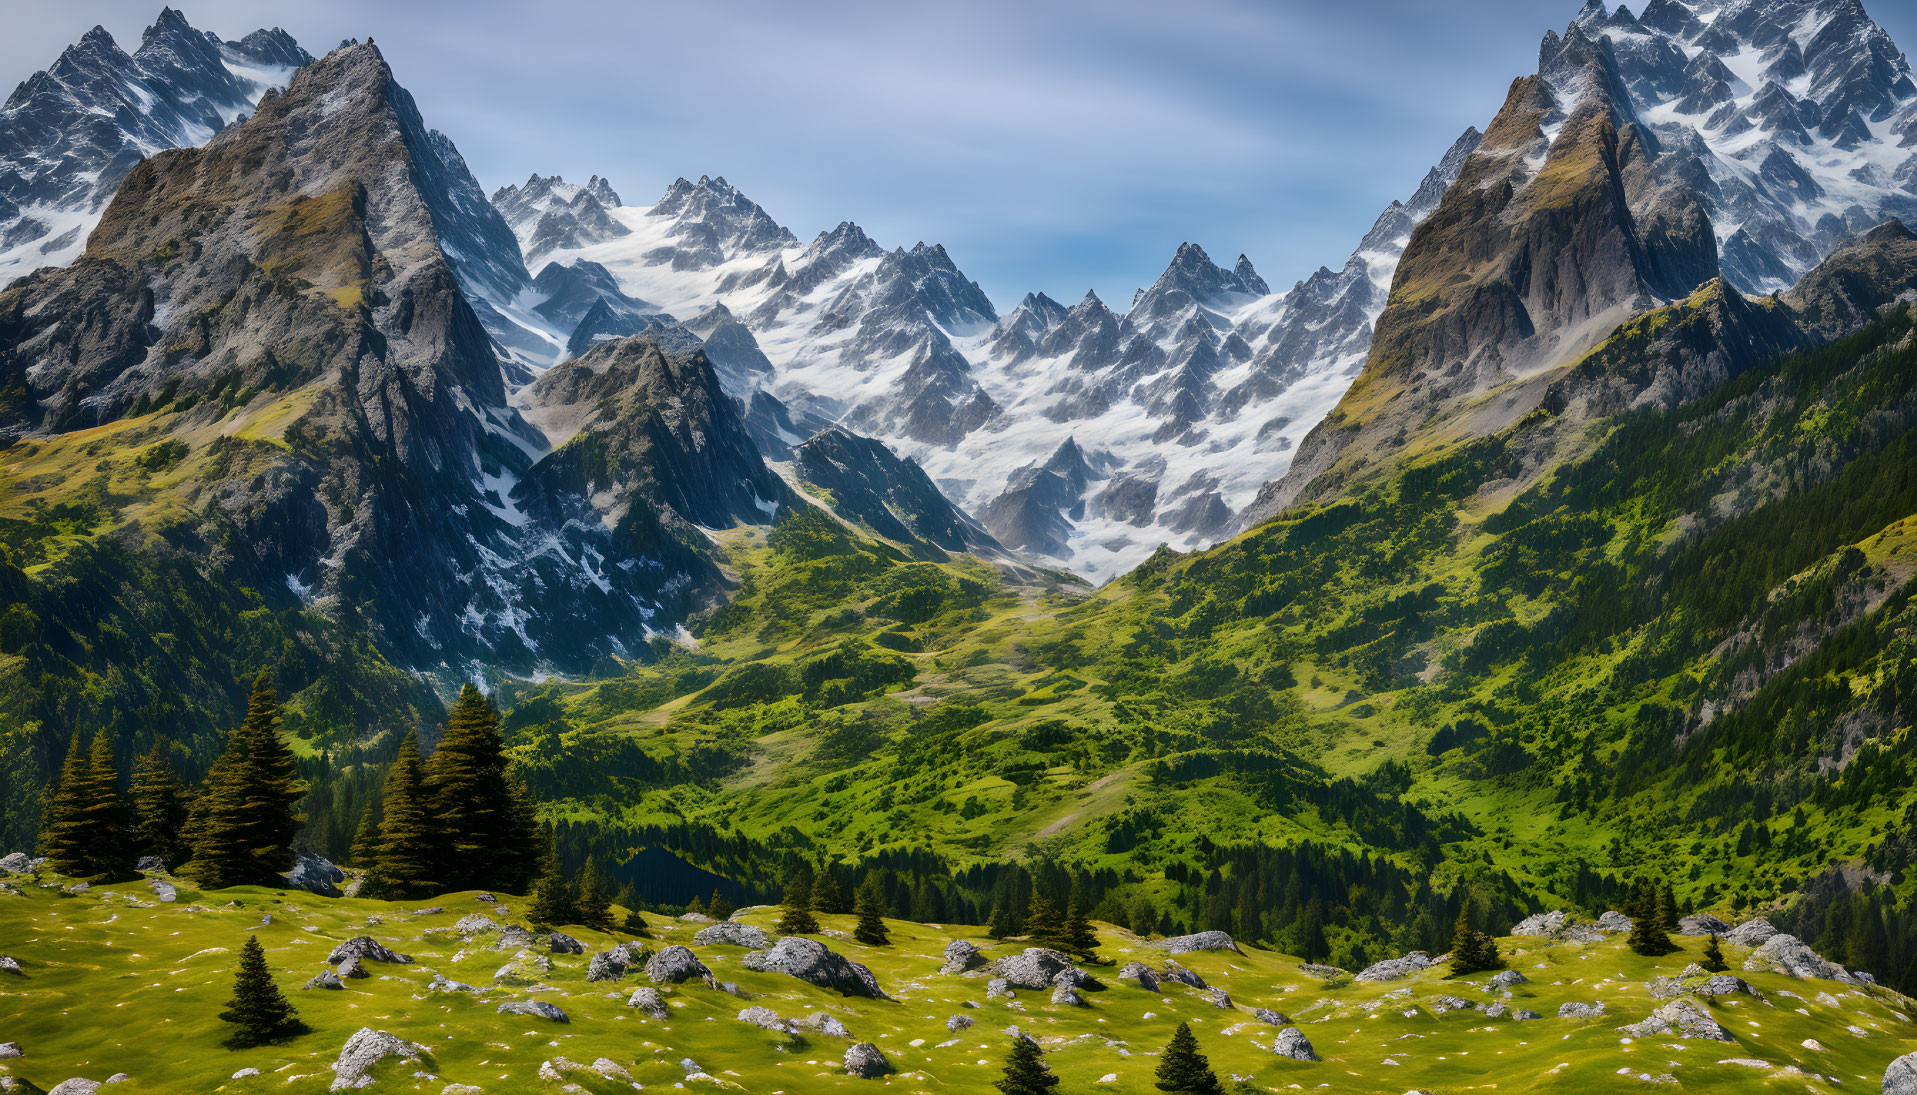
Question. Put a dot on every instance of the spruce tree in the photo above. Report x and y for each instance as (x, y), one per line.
(698, 905)
(1648, 935)
(1080, 939)
(796, 917)
(826, 897)
(1666, 908)
(159, 808)
(1184, 1070)
(553, 900)
(721, 906)
(244, 833)
(259, 1011)
(1714, 956)
(83, 832)
(1043, 924)
(480, 813)
(870, 929)
(999, 925)
(634, 924)
(595, 897)
(408, 857)
(365, 850)
(1472, 951)
(1025, 1071)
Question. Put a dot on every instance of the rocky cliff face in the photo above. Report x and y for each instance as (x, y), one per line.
(70, 133)
(1646, 156)
(893, 498)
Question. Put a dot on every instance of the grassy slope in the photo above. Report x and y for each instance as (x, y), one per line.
(152, 979)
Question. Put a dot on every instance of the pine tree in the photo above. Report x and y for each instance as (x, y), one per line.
(1025, 1071)
(553, 900)
(796, 917)
(721, 906)
(244, 833)
(1080, 939)
(595, 898)
(826, 897)
(999, 925)
(634, 924)
(159, 808)
(870, 929)
(1472, 951)
(258, 1009)
(1182, 1069)
(698, 906)
(365, 850)
(1648, 934)
(408, 856)
(1714, 956)
(481, 814)
(83, 833)
(1043, 924)
(1667, 908)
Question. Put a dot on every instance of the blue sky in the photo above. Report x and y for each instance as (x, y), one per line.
(1056, 146)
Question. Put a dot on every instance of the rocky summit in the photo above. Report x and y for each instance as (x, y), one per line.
(532, 638)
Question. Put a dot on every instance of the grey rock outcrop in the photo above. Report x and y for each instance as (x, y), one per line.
(648, 1001)
(1395, 969)
(675, 964)
(1613, 921)
(1273, 1018)
(442, 983)
(765, 1018)
(866, 1062)
(823, 1023)
(732, 934)
(1291, 1042)
(15, 862)
(366, 1048)
(1900, 1076)
(1446, 1004)
(961, 956)
(1504, 979)
(1786, 954)
(528, 967)
(816, 964)
(352, 968)
(1140, 974)
(326, 979)
(953, 1023)
(1574, 1009)
(476, 924)
(537, 1008)
(1034, 968)
(1065, 997)
(561, 943)
(365, 947)
(1541, 925)
(1751, 933)
(1681, 1018)
(317, 875)
(1701, 925)
(1200, 941)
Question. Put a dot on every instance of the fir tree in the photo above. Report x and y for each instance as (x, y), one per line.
(408, 855)
(365, 850)
(870, 929)
(1080, 939)
(480, 812)
(244, 833)
(1043, 924)
(1472, 951)
(259, 1011)
(1182, 1069)
(1714, 956)
(698, 906)
(796, 917)
(1666, 908)
(83, 834)
(721, 906)
(553, 900)
(826, 897)
(999, 925)
(1648, 934)
(1025, 1071)
(634, 924)
(595, 898)
(159, 808)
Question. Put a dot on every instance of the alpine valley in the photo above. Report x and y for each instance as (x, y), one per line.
(1488, 662)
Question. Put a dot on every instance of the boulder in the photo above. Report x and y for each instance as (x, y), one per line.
(732, 934)
(865, 1061)
(315, 874)
(1394, 969)
(486, 897)
(75, 1086)
(561, 943)
(998, 988)
(1613, 921)
(245, 1072)
(675, 964)
(1789, 955)
(765, 1018)
(476, 924)
(149, 863)
(10, 964)
(1504, 979)
(1682, 1018)
(823, 1023)
(1496, 1010)
(442, 983)
(163, 890)
(326, 979)
(1575, 1010)
(1751, 933)
(1274, 1018)
(512, 937)
(954, 1024)
(366, 947)
(525, 968)
(366, 1048)
(1178, 973)
(537, 1008)
(15, 863)
(1541, 925)
(607, 965)
(12, 1049)
(1065, 997)
(351, 968)
(648, 1001)
(1525, 1013)
(1444, 1005)
(1072, 977)
(1725, 984)
(1032, 969)
(1199, 941)
(1900, 1076)
(1220, 999)
(1702, 924)
(1140, 974)
(1322, 971)
(961, 956)
(1291, 1042)
(814, 963)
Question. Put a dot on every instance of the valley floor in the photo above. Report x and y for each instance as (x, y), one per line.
(112, 980)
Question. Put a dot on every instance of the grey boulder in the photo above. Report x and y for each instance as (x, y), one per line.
(954, 1024)
(326, 979)
(366, 1048)
(1139, 973)
(815, 964)
(537, 1008)
(1575, 1010)
(1900, 1076)
(1504, 979)
(1682, 1018)
(1751, 933)
(1200, 941)
(365, 947)
(476, 924)
(675, 964)
(1787, 954)
(1065, 997)
(648, 1001)
(961, 956)
(15, 863)
(1291, 1042)
(1613, 921)
(865, 1061)
(1394, 969)
(765, 1018)
(1034, 968)
(561, 943)
(1274, 1018)
(149, 863)
(317, 875)
(732, 934)
(1541, 925)
(1701, 925)
(442, 983)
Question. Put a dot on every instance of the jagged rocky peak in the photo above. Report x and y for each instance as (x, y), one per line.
(891, 496)
(1019, 333)
(713, 215)
(69, 134)
(572, 289)
(933, 282)
(549, 214)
